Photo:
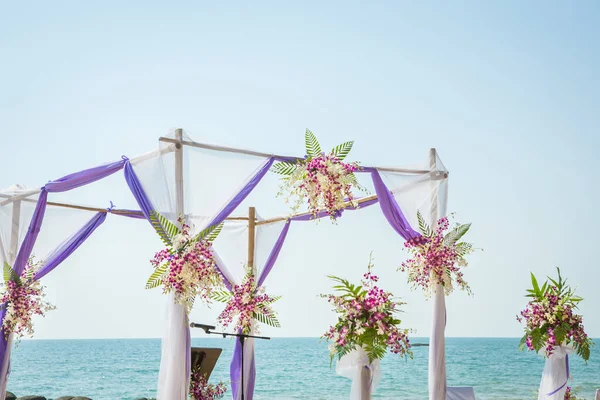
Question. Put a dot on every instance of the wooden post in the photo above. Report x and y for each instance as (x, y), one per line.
(434, 193)
(14, 238)
(251, 236)
(179, 208)
(437, 351)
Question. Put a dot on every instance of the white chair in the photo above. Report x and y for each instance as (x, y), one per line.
(460, 393)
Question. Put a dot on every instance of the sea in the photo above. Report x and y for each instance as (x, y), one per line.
(287, 368)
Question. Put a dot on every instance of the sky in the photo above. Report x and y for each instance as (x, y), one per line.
(507, 92)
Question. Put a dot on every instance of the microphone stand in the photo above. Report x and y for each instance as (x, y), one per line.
(241, 337)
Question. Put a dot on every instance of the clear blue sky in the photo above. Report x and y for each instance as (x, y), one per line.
(507, 92)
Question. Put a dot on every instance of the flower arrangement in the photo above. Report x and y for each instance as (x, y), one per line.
(323, 181)
(247, 303)
(550, 319)
(23, 298)
(437, 257)
(570, 394)
(200, 389)
(187, 266)
(367, 319)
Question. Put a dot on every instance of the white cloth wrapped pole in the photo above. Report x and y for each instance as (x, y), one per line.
(173, 379)
(364, 375)
(437, 351)
(598, 394)
(555, 375)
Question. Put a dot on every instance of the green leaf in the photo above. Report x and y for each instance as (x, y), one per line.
(423, 227)
(267, 319)
(454, 235)
(284, 168)
(165, 228)
(155, 279)
(534, 282)
(10, 274)
(210, 233)
(342, 150)
(222, 296)
(312, 144)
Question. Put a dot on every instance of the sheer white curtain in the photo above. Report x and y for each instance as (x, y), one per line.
(210, 180)
(365, 375)
(554, 377)
(427, 193)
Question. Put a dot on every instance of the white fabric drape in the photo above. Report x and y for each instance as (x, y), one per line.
(555, 374)
(173, 381)
(365, 376)
(437, 351)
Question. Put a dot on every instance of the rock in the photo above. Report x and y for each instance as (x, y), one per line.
(80, 398)
(10, 396)
(65, 398)
(31, 398)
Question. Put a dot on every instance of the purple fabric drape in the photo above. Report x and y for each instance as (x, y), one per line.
(137, 190)
(84, 177)
(64, 251)
(63, 184)
(390, 208)
(242, 194)
(146, 207)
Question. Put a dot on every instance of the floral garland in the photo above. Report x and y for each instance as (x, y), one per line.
(550, 319)
(247, 303)
(366, 319)
(23, 298)
(200, 389)
(187, 266)
(437, 257)
(321, 181)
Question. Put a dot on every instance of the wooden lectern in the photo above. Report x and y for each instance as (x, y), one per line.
(205, 359)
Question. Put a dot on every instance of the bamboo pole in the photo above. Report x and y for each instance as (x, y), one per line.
(251, 236)
(179, 209)
(14, 237)
(267, 155)
(278, 219)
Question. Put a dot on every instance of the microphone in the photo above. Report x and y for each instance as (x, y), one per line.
(202, 326)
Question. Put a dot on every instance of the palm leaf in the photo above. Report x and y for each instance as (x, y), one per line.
(342, 150)
(10, 274)
(222, 296)
(312, 144)
(269, 319)
(423, 227)
(165, 228)
(155, 279)
(210, 234)
(454, 235)
(284, 168)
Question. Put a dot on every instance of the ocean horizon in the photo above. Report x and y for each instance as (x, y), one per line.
(286, 368)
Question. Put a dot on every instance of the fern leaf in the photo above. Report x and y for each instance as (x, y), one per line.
(284, 168)
(312, 144)
(454, 235)
(342, 150)
(155, 279)
(423, 227)
(10, 274)
(222, 296)
(165, 228)
(267, 319)
(209, 234)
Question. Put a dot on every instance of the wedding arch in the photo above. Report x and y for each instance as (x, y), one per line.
(183, 177)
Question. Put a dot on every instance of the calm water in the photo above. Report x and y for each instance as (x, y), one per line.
(286, 369)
